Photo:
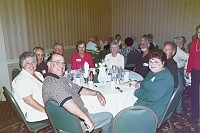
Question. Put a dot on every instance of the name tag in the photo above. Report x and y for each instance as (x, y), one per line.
(78, 60)
(145, 64)
(43, 71)
(153, 79)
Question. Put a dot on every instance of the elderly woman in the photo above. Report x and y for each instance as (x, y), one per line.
(142, 65)
(27, 89)
(114, 58)
(193, 67)
(41, 65)
(81, 57)
(156, 89)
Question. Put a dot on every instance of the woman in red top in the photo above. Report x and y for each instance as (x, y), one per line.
(81, 57)
(194, 67)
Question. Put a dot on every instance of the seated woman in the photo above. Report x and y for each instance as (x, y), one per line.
(27, 89)
(157, 88)
(81, 57)
(114, 58)
(41, 65)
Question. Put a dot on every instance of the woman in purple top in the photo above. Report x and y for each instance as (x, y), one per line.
(81, 57)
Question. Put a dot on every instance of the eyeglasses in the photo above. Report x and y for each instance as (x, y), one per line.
(166, 50)
(154, 62)
(59, 63)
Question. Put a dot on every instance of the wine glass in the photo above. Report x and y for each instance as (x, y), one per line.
(102, 81)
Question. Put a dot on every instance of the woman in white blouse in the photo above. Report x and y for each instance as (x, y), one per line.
(27, 89)
(114, 58)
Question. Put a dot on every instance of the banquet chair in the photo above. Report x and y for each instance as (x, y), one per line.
(15, 72)
(179, 105)
(63, 121)
(137, 119)
(31, 126)
(171, 106)
(131, 59)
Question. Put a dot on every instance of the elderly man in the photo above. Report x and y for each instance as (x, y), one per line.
(170, 49)
(93, 44)
(59, 88)
(41, 65)
(181, 56)
(58, 49)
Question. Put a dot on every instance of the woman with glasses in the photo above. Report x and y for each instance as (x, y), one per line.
(27, 89)
(156, 89)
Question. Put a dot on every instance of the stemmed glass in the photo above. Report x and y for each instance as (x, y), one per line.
(102, 81)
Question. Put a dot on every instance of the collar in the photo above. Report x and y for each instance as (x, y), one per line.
(52, 75)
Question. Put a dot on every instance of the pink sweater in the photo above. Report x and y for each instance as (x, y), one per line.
(194, 56)
(77, 61)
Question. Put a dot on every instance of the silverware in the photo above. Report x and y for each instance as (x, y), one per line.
(118, 89)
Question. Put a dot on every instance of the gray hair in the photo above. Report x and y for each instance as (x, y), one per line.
(174, 48)
(178, 40)
(146, 40)
(25, 55)
(37, 48)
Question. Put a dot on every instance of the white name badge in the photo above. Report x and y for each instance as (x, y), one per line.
(145, 64)
(153, 79)
(78, 60)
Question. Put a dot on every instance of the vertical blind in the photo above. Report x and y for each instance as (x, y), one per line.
(165, 19)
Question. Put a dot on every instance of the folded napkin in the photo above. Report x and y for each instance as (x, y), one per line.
(86, 70)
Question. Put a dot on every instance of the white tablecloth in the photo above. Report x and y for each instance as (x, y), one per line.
(115, 100)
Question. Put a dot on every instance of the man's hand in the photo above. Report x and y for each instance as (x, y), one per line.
(89, 124)
(101, 98)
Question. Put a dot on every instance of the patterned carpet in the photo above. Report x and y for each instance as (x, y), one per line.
(182, 123)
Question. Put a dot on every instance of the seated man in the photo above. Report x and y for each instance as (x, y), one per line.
(59, 88)
(93, 44)
(170, 49)
(58, 49)
(41, 65)
(181, 56)
(103, 42)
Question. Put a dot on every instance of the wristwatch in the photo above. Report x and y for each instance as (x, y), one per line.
(97, 92)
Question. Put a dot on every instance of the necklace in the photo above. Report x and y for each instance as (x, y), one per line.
(197, 46)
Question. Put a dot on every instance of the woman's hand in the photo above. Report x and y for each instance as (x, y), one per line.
(137, 85)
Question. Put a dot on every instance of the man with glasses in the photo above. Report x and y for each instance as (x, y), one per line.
(170, 49)
(59, 88)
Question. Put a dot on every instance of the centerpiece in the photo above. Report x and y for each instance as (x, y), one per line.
(101, 67)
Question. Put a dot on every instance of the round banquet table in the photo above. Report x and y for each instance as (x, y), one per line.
(115, 100)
